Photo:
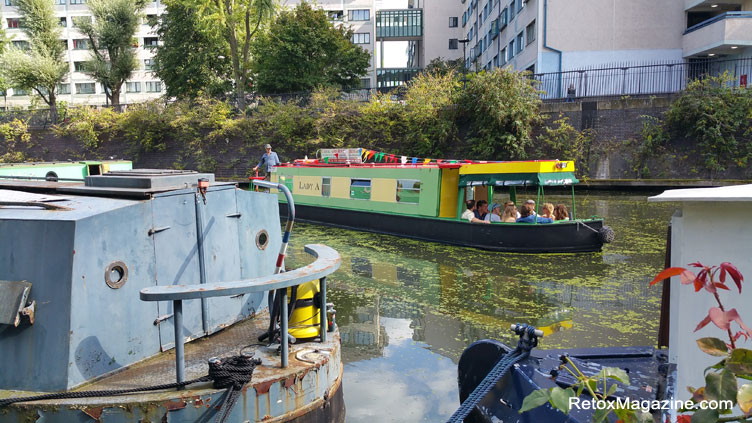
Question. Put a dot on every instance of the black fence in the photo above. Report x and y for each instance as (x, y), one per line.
(631, 80)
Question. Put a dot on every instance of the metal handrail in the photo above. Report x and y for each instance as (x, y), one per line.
(717, 18)
(327, 262)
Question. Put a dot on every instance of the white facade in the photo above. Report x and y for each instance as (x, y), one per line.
(79, 88)
(562, 35)
(712, 227)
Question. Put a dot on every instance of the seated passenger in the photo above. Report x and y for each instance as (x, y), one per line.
(560, 212)
(528, 215)
(510, 213)
(495, 215)
(548, 211)
(531, 203)
(516, 212)
(469, 214)
(481, 209)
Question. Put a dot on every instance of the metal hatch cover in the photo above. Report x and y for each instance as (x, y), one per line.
(139, 182)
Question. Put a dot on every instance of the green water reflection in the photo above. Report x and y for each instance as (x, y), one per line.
(406, 309)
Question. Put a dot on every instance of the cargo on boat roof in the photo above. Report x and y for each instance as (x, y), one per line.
(425, 199)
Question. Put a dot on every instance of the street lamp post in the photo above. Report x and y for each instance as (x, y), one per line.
(464, 63)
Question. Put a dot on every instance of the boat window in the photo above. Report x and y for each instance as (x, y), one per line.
(286, 180)
(326, 186)
(360, 189)
(408, 191)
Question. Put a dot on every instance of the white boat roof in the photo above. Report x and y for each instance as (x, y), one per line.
(737, 193)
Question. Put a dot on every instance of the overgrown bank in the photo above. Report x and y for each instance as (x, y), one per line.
(703, 134)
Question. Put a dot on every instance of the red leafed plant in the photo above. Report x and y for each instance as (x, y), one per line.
(721, 379)
(706, 278)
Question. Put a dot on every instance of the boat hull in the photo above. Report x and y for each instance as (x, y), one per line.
(647, 367)
(569, 237)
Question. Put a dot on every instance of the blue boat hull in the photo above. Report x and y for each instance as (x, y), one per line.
(651, 378)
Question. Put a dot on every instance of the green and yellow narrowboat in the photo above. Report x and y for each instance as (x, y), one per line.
(425, 199)
(61, 171)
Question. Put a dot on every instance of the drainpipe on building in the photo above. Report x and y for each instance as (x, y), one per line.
(545, 44)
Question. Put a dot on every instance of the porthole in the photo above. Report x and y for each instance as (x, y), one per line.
(51, 176)
(116, 274)
(262, 239)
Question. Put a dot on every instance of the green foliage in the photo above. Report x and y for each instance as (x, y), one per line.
(503, 105)
(430, 105)
(41, 67)
(716, 114)
(191, 62)
(303, 50)
(238, 23)
(650, 145)
(443, 67)
(110, 41)
(562, 141)
(14, 135)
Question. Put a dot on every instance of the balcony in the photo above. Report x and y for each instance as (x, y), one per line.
(721, 34)
(399, 25)
(388, 78)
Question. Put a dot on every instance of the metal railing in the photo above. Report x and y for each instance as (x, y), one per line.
(717, 18)
(394, 77)
(630, 80)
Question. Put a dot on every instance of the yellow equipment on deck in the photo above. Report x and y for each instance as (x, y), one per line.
(305, 320)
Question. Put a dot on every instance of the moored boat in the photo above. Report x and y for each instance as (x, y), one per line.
(425, 199)
(61, 171)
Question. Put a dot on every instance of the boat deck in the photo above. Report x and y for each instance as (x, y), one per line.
(312, 376)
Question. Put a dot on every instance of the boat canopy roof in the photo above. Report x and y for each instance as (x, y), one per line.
(546, 173)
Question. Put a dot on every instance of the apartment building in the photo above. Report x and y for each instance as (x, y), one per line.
(78, 87)
(546, 36)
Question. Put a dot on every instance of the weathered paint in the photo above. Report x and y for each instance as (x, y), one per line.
(84, 329)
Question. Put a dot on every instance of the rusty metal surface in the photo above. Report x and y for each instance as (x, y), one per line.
(327, 261)
(305, 387)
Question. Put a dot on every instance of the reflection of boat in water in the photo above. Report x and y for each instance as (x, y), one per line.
(425, 201)
(99, 281)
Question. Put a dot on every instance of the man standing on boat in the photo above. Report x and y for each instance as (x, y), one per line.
(270, 159)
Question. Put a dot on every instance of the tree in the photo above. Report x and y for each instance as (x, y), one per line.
(3, 44)
(110, 41)
(40, 68)
(191, 61)
(239, 21)
(303, 50)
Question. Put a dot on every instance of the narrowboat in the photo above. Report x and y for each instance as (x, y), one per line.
(143, 295)
(75, 171)
(425, 200)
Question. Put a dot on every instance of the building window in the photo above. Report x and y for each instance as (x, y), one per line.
(359, 14)
(464, 19)
(503, 56)
(79, 66)
(156, 87)
(19, 92)
(512, 9)
(14, 23)
(326, 186)
(453, 21)
(520, 42)
(503, 19)
(63, 21)
(335, 15)
(520, 5)
(408, 191)
(59, 1)
(453, 44)
(148, 64)
(151, 42)
(132, 87)
(63, 88)
(365, 83)
(81, 44)
(20, 44)
(360, 189)
(85, 87)
(77, 1)
(361, 38)
(530, 32)
(78, 20)
(496, 61)
(11, 3)
(511, 50)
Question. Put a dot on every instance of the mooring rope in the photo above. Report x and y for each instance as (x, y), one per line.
(231, 373)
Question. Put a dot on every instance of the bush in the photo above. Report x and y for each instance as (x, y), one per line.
(14, 136)
(561, 141)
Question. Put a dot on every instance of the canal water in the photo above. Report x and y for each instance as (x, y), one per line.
(406, 309)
